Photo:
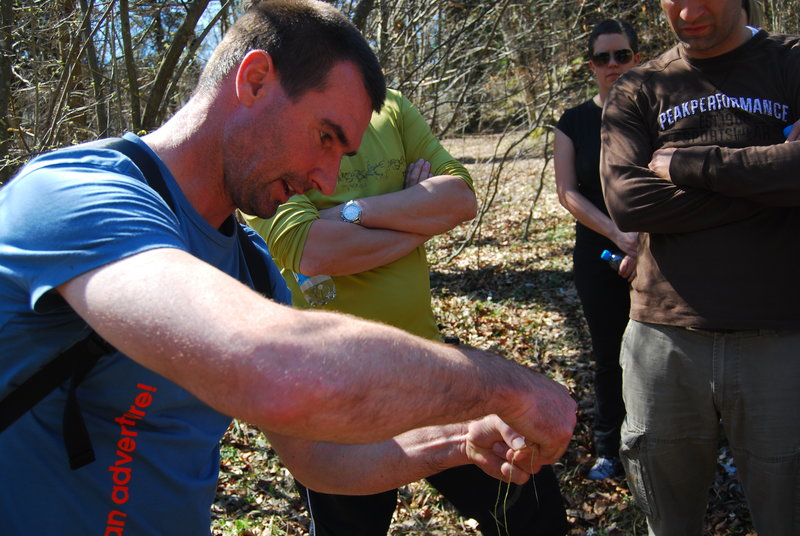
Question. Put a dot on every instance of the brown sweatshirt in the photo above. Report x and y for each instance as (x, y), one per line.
(717, 249)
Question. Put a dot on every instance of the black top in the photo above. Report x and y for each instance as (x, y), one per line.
(581, 124)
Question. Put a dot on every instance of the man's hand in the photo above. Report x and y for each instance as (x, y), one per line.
(627, 268)
(417, 172)
(546, 417)
(628, 243)
(794, 135)
(498, 450)
(660, 162)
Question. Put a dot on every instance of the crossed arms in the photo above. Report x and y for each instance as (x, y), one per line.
(637, 198)
(393, 225)
(764, 174)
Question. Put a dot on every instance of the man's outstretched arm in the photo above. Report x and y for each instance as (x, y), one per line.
(308, 374)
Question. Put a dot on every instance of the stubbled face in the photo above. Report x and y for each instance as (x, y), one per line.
(295, 146)
(607, 74)
(707, 28)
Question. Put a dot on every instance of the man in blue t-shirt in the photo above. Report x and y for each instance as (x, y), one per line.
(86, 244)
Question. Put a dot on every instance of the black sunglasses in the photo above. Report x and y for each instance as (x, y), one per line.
(620, 56)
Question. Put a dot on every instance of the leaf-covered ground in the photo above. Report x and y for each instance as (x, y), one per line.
(510, 290)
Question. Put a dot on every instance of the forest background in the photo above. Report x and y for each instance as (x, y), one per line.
(491, 77)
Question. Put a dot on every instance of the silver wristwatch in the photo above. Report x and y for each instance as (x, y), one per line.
(351, 212)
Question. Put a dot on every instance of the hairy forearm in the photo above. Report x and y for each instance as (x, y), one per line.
(374, 467)
(380, 375)
(339, 248)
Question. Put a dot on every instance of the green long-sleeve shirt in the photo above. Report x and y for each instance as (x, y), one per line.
(397, 293)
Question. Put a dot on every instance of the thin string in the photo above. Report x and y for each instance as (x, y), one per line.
(506, 495)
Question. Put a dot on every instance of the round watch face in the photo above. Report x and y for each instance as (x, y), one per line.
(351, 212)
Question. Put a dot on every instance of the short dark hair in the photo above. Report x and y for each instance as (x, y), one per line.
(611, 26)
(305, 39)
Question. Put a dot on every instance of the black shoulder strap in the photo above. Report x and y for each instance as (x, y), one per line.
(74, 363)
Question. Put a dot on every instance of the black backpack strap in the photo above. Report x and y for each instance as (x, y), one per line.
(73, 363)
(256, 265)
(76, 436)
(144, 162)
(76, 362)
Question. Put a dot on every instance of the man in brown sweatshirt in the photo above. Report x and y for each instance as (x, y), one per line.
(713, 336)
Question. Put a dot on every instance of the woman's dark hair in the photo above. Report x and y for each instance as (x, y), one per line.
(305, 39)
(611, 26)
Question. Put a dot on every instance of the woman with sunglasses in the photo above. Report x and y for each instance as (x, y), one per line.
(613, 49)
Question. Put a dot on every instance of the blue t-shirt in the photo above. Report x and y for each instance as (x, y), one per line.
(157, 446)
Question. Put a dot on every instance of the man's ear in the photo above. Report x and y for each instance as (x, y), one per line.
(255, 77)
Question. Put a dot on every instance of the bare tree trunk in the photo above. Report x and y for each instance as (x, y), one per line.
(130, 65)
(6, 55)
(70, 95)
(362, 12)
(94, 70)
(781, 16)
(383, 31)
(517, 21)
(190, 55)
(167, 68)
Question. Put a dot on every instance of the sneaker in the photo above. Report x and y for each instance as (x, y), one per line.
(605, 468)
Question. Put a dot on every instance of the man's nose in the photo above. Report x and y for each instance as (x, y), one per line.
(325, 178)
(691, 11)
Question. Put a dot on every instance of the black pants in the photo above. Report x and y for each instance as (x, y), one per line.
(534, 509)
(605, 297)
